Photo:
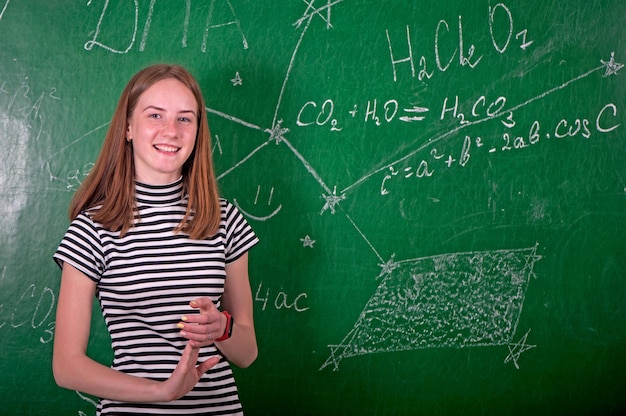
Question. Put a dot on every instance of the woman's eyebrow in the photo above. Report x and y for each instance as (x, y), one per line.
(157, 108)
(153, 107)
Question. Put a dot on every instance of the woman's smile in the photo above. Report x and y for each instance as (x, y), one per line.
(163, 128)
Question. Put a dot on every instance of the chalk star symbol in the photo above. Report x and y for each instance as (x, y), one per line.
(388, 266)
(611, 67)
(532, 258)
(237, 80)
(277, 133)
(515, 350)
(307, 242)
(311, 11)
(332, 201)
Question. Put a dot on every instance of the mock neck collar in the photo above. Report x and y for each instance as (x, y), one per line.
(159, 195)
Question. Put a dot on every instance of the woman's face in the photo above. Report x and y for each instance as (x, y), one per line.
(163, 128)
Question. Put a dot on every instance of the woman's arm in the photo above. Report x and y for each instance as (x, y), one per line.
(209, 324)
(73, 369)
(241, 348)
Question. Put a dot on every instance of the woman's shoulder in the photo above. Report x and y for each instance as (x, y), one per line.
(85, 216)
(231, 211)
(228, 208)
(226, 205)
(85, 219)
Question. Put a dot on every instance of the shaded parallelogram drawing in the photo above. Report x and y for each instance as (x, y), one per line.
(455, 300)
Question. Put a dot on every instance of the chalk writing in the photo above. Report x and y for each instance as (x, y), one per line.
(71, 179)
(74, 177)
(281, 300)
(106, 18)
(498, 44)
(451, 300)
(21, 103)
(480, 109)
(603, 122)
(462, 55)
(33, 309)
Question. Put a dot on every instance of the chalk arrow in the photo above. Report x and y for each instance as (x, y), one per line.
(414, 110)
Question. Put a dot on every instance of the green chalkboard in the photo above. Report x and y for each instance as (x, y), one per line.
(439, 187)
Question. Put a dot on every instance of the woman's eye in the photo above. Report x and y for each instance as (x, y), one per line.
(155, 116)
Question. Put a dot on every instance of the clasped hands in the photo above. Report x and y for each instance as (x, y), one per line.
(204, 328)
(200, 329)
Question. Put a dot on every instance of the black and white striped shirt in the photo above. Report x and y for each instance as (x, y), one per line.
(145, 281)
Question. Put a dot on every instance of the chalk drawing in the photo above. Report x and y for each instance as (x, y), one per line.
(455, 300)
(237, 80)
(331, 201)
(4, 8)
(611, 67)
(450, 300)
(515, 350)
(256, 199)
(307, 241)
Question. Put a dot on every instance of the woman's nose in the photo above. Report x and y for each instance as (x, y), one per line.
(170, 128)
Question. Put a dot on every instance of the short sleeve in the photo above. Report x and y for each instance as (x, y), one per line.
(239, 234)
(82, 248)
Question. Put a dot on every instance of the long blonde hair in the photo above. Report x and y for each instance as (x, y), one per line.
(111, 183)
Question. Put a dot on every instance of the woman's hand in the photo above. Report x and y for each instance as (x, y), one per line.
(186, 374)
(74, 370)
(204, 328)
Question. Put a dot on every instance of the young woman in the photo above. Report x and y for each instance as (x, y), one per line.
(165, 256)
